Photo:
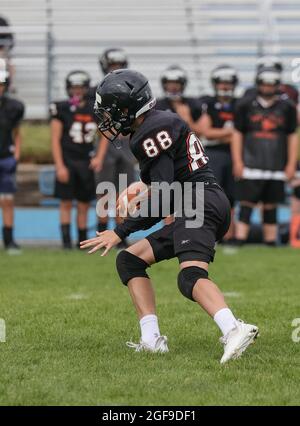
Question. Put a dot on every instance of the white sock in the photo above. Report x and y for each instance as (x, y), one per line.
(149, 329)
(225, 320)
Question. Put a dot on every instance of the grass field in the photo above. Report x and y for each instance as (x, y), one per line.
(68, 318)
(36, 146)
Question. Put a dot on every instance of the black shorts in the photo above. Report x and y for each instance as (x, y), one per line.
(258, 190)
(221, 164)
(8, 167)
(176, 240)
(81, 185)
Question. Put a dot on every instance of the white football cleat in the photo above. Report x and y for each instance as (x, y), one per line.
(159, 346)
(237, 340)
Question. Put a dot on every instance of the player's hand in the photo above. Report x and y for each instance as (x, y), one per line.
(106, 239)
(62, 174)
(238, 169)
(96, 164)
(290, 171)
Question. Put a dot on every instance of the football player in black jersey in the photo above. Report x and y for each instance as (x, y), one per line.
(114, 161)
(11, 114)
(73, 134)
(167, 152)
(264, 152)
(216, 125)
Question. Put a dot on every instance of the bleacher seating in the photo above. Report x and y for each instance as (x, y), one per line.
(54, 37)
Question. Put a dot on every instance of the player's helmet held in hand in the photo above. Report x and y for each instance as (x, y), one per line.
(121, 97)
(112, 58)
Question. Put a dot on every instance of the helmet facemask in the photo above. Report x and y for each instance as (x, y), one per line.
(174, 81)
(113, 121)
(268, 82)
(224, 80)
(77, 86)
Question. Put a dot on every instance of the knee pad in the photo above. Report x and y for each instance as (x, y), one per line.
(187, 279)
(245, 214)
(270, 216)
(130, 266)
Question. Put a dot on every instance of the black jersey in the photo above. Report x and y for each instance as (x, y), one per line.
(79, 128)
(221, 115)
(265, 132)
(163, 132)
(91, 95)
(11, 114)
(167, 151)
(165, 104)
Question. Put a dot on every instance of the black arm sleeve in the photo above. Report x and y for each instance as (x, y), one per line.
(291, 121)
(162, 170)
(240, 117)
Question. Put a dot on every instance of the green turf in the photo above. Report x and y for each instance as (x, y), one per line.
(61, 349)
(36, 146)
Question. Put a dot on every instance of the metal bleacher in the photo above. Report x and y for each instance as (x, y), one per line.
(55, 36)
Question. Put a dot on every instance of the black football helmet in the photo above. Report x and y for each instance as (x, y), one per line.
(77, 78)
(269, 61)
(112, 57)
(176, 74)
(121, 97)
(224, 74)
(268, 75)
(271, 77)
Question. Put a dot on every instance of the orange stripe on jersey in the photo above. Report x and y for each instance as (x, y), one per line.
(84, 118)
(224, 115)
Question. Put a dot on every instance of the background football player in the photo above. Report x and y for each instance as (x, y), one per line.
(116, 159)
(167, 151)
(216, 125)
(11, 114)
(264, 147)
(73, 134)
(285, 90)
(174, 81)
